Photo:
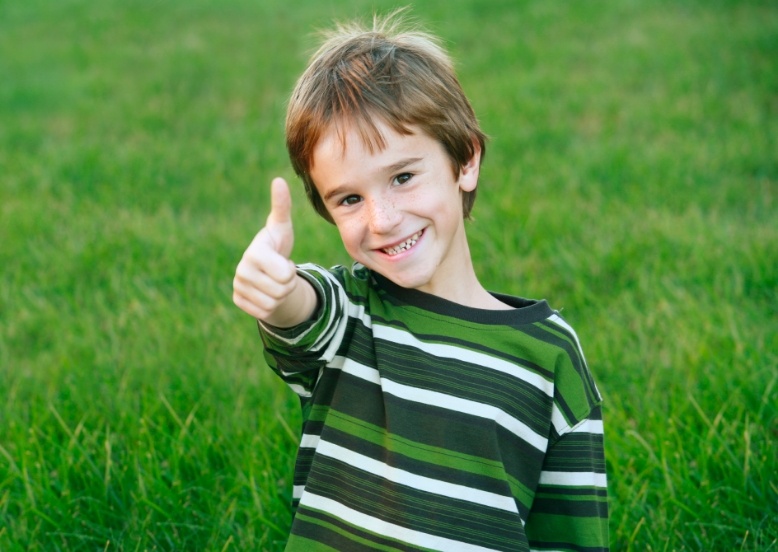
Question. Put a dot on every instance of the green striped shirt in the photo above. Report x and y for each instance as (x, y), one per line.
(433, 426)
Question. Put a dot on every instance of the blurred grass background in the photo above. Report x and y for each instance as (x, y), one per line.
(631, 179)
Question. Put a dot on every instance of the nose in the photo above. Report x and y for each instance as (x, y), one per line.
(383, 216)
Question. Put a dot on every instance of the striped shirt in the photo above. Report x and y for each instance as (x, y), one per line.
(428, 425)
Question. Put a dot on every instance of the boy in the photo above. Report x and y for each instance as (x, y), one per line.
(437, 415)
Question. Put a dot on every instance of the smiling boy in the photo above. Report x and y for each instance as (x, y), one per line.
(436, 415)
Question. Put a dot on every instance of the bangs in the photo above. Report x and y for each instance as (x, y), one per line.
(366, 127)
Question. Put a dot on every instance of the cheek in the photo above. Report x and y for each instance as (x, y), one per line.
(350, 237)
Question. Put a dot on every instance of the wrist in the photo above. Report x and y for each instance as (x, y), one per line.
(298, 307)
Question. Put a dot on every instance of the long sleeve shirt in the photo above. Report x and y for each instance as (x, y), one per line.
(428, 425)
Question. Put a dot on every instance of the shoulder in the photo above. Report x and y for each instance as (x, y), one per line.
(339, 284)
(576, 396)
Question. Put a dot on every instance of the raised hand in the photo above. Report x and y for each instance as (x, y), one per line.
(265, 279)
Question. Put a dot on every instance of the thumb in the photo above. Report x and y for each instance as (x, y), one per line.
(279, 221)
(280, 203)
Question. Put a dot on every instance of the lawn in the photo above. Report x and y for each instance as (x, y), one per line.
(631, 179)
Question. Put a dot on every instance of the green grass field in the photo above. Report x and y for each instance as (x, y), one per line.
(631, 179)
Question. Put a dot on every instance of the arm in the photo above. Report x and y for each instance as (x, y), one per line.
(266, 283)
(570, 510)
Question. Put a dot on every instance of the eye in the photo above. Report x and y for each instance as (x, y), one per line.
(403, 178)
(350, 200)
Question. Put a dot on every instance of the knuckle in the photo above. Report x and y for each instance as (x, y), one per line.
(241, 272)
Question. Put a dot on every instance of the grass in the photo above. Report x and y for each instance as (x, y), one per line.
(631, 179)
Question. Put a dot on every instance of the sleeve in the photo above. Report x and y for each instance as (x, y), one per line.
(570, 510)
(297, 355)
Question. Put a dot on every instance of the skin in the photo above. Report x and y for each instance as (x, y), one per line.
(398, 211)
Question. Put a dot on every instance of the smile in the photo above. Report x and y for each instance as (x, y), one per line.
(404, 246)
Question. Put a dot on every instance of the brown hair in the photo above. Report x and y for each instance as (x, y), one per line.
(403, 78)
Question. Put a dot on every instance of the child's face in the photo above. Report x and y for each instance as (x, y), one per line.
(398, 210)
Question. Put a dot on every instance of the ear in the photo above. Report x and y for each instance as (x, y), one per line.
(468, 174)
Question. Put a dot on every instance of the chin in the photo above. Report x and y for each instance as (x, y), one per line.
(410, 277)
(411, 282)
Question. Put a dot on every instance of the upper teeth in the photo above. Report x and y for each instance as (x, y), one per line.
(407, 244)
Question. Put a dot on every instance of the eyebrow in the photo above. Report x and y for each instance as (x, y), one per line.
(401, 164)
(394, 167)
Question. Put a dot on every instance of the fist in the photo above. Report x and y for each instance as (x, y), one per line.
(265, 276)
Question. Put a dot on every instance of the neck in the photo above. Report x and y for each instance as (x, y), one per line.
(469, 292)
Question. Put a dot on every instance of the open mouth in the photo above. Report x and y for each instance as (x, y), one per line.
(404, 246)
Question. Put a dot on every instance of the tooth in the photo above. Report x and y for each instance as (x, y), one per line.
(407, 244)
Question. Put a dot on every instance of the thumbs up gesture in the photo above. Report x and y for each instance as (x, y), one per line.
(266, 283)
